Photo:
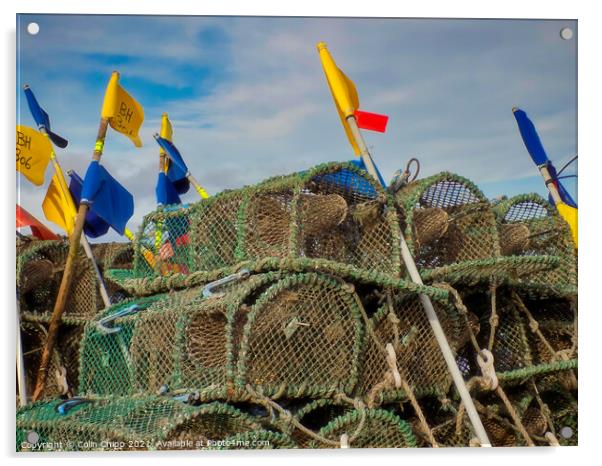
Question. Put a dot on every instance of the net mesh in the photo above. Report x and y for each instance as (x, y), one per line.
(530, 226)
(311, 337)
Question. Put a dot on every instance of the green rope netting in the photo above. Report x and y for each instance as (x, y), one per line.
(369, 428)
(530, 226)
(39, 272)
(452, 233)
(333, 215)
(131, 423)
(293, 353)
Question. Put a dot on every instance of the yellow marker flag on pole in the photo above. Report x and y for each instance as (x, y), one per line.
(569, 214)
(33, 154)
(343, 92)
(58, 205)
(124, 114)
(166, 133)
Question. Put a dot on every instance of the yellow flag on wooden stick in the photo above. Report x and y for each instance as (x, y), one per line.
(166, 133)
(33, 154)
(343, 92)
(124, 114)
(58, 205)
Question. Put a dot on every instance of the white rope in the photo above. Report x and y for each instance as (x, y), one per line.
(485, 361)
(345, 441)
(392, 363)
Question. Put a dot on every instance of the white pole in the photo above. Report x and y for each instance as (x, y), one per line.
(427, 304)
(20, 362)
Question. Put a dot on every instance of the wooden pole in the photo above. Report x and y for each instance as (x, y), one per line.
(61, 300)
(104, 294)
(427, 304)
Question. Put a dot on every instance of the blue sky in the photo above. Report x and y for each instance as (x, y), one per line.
(248, 99)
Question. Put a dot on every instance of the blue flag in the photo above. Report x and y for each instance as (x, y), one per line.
(109, 199)
(538, 153)
(177, 169)
(166, 192)
(361, 165)
(95, 226)
(42, 119)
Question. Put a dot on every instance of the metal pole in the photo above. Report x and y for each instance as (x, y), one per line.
(427, 304)
(61, 300)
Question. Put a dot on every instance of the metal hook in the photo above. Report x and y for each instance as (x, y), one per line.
(71, 403)
(101, 324)
(400, 179)
(208, 290)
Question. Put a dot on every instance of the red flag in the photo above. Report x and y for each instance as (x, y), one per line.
(371, 121)
(25, 219)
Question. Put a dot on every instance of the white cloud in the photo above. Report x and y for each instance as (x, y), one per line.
(448, 87)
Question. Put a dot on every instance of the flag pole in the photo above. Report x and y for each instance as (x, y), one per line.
(198, 188)
(21, 380)
(67, 196)
(61, 300)
(426, 302)
(83, 240)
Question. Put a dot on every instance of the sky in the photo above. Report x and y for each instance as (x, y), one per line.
(248, 99)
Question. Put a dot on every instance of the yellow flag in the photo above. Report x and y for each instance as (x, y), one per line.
(166, 133)
(343, 91)
(569, 214)
(123, 112)
(58, 205)
(33, 154)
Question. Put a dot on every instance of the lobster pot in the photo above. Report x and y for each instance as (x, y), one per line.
(556, 320)
(499, 433)
(315, 415)
(419, 359)
(368, 428)
(511, 349)
(128, 423)
(114, 256)
(33, 338)
(333, 218)
(449, 222)
(162, 246)
(136, 352)
(39, 273)
(302, 337)
(530, 226)
(564, 413)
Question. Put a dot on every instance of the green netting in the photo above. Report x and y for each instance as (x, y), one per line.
(39, 272)
(529, 226)
(131, 423)
(288, 334)
(419, 358)
(333, 216)
(297, 345)
(368, 428)
(451, 231)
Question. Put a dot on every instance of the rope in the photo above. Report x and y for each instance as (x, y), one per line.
(494, 320)
(564, 355)
(551, 438)
(489, 380)
(288, 417)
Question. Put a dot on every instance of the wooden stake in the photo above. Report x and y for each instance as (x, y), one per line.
(61, 300)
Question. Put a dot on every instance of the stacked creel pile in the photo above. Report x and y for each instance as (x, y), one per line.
(279, 316)
(40, 265)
